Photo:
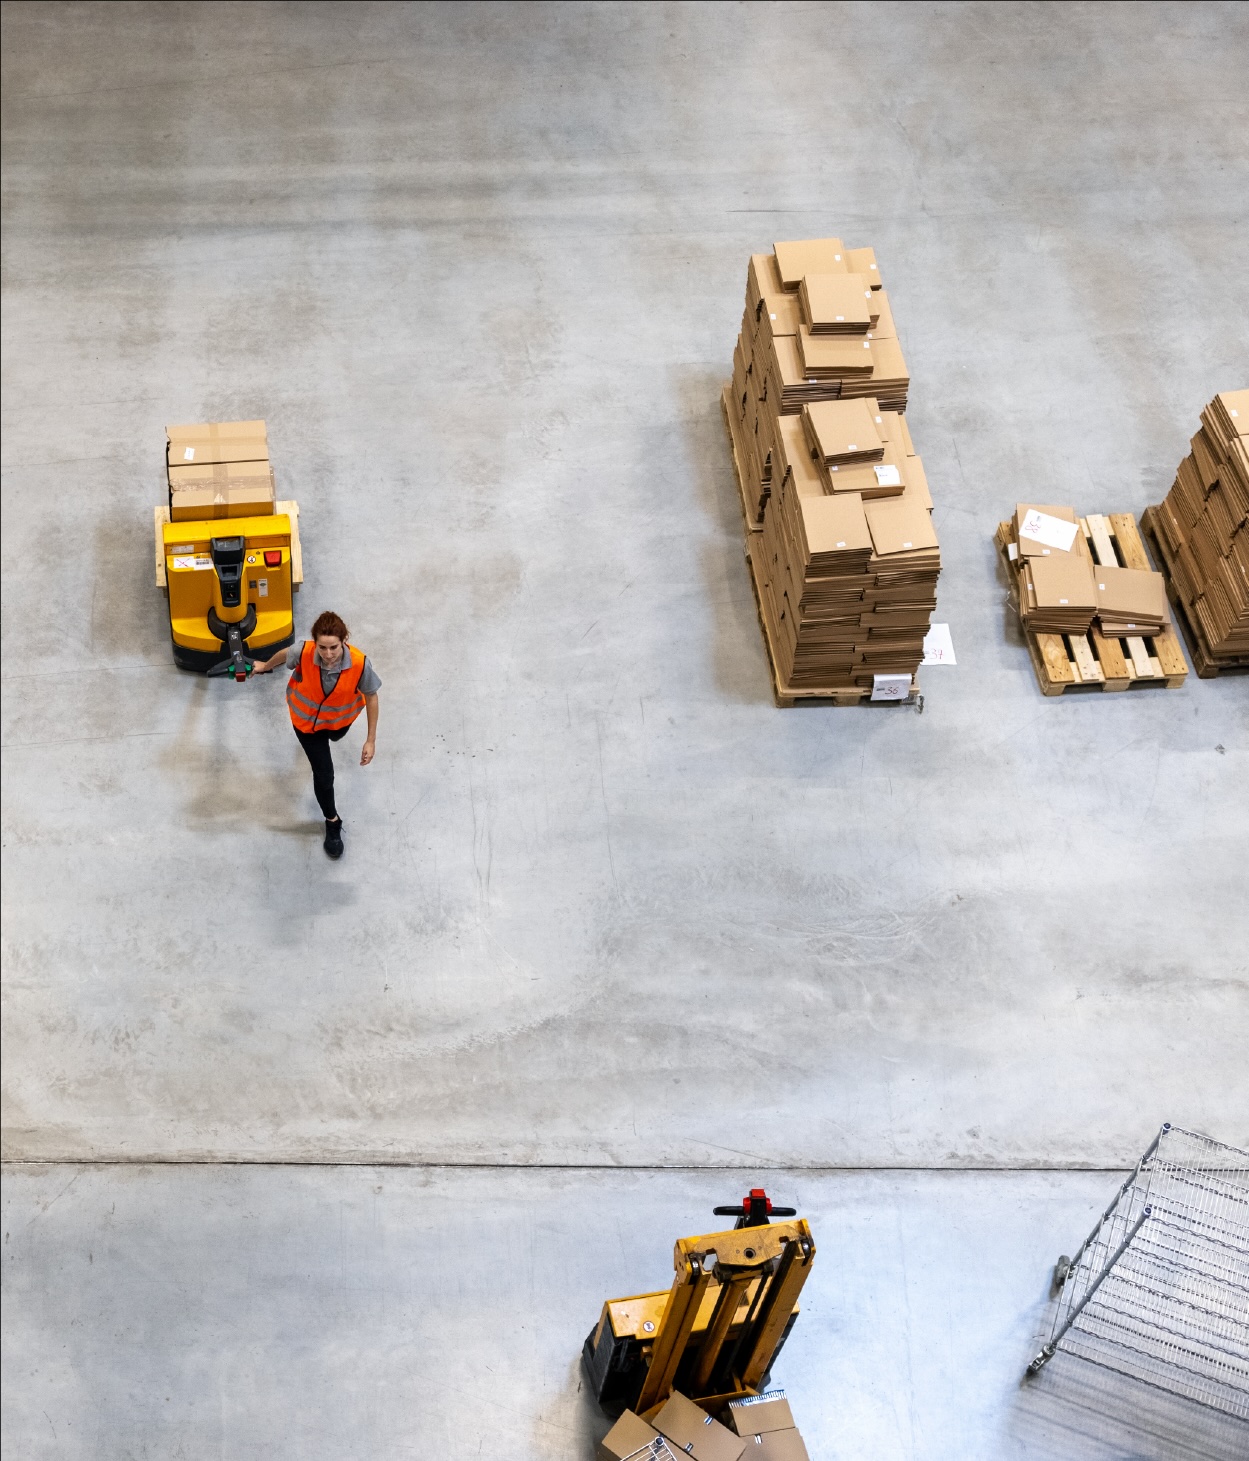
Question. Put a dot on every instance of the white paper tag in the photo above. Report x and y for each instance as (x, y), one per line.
(888, 477)
(891, 687)
(1053, 531)
(1012, 551)
(906, 545)
(938, 646)
(188, 454)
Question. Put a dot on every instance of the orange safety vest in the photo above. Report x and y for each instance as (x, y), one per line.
(310, 709)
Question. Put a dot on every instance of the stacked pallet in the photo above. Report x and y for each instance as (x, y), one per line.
(1093, 609)
(817, 327)
(840, 538)
(846, 574)
(1201, 531)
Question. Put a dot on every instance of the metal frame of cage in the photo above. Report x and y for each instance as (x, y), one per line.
(656, 1450)
(1160, 1288)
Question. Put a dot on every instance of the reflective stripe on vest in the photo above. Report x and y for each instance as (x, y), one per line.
(331, 712)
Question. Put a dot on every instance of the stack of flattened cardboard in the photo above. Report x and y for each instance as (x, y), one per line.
(847, 586)
(1063, 590)
(765, 1421)
(681, 1425)
(1203, 527)
(762, 1429)
(219, 470)
(817, 327)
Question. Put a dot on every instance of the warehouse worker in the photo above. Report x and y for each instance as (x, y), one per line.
(330, 684)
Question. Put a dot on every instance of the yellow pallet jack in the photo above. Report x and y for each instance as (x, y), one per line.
(230, 585)
(716, 1333)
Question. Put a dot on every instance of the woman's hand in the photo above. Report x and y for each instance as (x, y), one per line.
(366, 755)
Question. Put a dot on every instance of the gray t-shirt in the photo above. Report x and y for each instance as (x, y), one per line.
(369, 682)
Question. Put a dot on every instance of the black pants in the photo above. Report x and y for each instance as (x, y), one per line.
(317, 749)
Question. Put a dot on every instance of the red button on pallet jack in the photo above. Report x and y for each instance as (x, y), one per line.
(273, 557)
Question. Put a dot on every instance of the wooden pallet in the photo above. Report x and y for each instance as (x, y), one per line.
(1207, 664)
(1067, 662)
(160, 517)
(786, 695)
(748, 508)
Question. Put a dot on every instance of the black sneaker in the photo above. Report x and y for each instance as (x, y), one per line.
(334, 839)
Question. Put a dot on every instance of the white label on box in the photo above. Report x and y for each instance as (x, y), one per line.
(888, 477)
(841, 317)
(891, 687)
(1012, 551)
(938, 646)
(188, 454)
(850, 446)
(1042, 528)
(906, 545)
(841, 543)
(198, 560)
(1064, 601)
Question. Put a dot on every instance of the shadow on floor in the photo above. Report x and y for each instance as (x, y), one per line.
(1076, 1409)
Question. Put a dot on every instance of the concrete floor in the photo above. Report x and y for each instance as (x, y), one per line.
(481, 270)
(253, 1312)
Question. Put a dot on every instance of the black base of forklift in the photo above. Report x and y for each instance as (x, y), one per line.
(617, 1367)
(202, 660)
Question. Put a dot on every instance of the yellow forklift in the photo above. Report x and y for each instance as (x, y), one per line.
(227, 553)
(715, 1334)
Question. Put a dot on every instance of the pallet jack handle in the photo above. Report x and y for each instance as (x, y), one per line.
(755, 1210)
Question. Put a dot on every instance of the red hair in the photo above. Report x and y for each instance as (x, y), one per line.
(329, 623)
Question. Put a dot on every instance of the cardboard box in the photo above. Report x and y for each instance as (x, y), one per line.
(788, 1445)
(758, 1414)
(808, 256)
(835, 304)
(216, 441)
(834, 357)
(1030, 547)
(225, 489)
(863, 261)
(627, 1437)
(900, 526)
(1130, 600)
(692, 1430)
(844, 432)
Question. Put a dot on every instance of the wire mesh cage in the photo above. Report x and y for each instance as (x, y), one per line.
(1160, 1287)
(656, 1450)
